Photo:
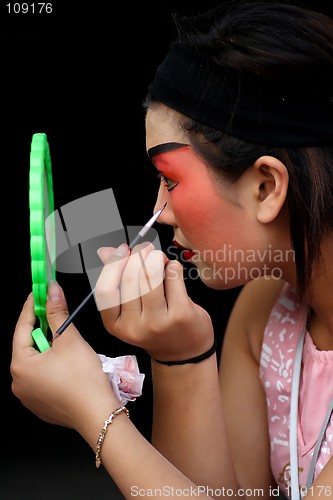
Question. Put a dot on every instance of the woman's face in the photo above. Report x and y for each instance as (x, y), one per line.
(210, 217)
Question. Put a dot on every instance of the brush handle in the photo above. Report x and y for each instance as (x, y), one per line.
(75, 312)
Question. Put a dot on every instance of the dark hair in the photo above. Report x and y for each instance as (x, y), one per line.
(267, 38)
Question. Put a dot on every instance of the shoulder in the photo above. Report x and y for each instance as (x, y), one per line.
(256, 300)
(250, 314)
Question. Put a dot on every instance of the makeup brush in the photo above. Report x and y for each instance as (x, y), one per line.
(136, 240)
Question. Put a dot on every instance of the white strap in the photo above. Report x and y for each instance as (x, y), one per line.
(294, 477)
(294, 481)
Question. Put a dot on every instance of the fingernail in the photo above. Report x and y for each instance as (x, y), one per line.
(54, 292)
(99, 250)
(122, 251)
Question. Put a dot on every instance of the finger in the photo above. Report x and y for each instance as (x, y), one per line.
(129, 295)
(105, 253)
(130, 283)
(106, 291)
(174, 286)
(151, 283)
(56, 308)
(24, 326)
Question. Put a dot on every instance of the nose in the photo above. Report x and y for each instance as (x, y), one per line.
(167, 216)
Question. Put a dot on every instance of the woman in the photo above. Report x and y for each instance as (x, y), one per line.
(239, 126)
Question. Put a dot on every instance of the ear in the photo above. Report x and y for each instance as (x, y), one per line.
(273, 179)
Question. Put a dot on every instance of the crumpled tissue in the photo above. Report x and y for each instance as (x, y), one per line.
(124, 376)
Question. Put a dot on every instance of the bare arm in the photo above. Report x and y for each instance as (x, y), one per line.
(243, 395)
(74, 392)
(135, 465)
(190, 418)
(231, 444)
(188, 423)
(188, 427)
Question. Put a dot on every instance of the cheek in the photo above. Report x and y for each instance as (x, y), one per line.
(206, 219)
(198, 209)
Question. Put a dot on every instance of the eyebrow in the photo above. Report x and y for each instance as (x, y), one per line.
(165, 148)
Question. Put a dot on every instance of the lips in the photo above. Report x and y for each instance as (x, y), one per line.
(186, 252)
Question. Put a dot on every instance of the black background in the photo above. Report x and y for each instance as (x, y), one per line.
(79, 75)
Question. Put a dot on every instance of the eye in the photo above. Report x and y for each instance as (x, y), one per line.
(169, 183)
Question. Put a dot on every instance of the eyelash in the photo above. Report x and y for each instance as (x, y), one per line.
(166, 180)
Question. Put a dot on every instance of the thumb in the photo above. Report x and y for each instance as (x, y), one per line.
(56, 306)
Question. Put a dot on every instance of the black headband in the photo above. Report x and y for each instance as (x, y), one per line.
(294, 111)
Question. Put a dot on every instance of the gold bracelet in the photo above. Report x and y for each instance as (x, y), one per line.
(104, 431)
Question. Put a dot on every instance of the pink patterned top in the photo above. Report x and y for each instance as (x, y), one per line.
(279, 345)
